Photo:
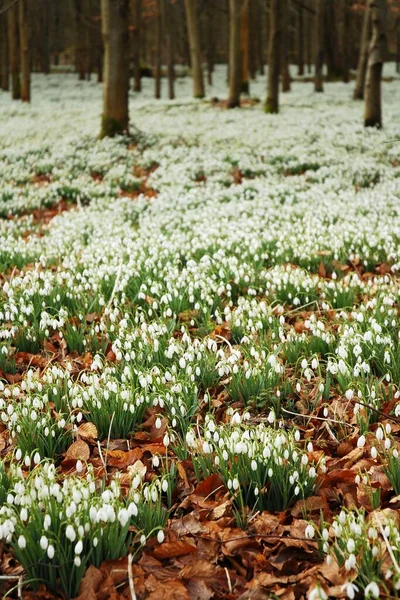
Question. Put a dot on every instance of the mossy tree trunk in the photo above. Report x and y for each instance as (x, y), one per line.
(319, 46)
(24, 33)
(234, 54)
(115, 117)
(376, 57)
(274, 56)
(363, 57)
(195, 49)
(13, 46)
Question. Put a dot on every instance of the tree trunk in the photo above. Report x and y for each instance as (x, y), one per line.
(158, 49)
(244, 47)
(13, 40)
(320, 47)
(195, 50)
(234, 54)
(376, 57)
(115, 118)
(5, 64)
(259, 18)
(363, 58)
(300, 40)
(308, 35)
(274, 55)
(285, 47)
(79, 39)
(169, 49)
(346, 41)
(137, 13)
(210, 41)
(398, 46)
(23, 19)
(45, 36)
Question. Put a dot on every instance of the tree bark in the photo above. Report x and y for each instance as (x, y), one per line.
(274, 56)
(260, 21)
(376, 57)
(244, 47)
(195, 50)
(137, 13)
(13, 40)
(115, 118)
(320, 47)
(169, 48)
(363, 57)
(23, 19)
(234, 54)
(398, 45)
(346, 41)
(285, 47)
(210, 41)
(79, 38)
(158, 49)
(300, 40)
(5, 64)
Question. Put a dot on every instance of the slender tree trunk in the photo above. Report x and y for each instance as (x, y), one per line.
(244, 47)
(346, 41)
(115, 118)
(258, 11)
(195, 50)
(398, 45)
(320, 47)
(274, 54)
(210, 40)
(13, 40)
(23, 17)
(363, 57)
(377, 52)
(158, 50)
(285, 47)
(309, 39)
(169, 49)
(253, 40)
(300, 40)
(45, 36)
(79, 41)
(137, 15)
(234, 54)
(5, 63)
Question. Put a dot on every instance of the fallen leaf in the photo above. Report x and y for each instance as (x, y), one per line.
(171, 549)
(88, 431)
(79, 450)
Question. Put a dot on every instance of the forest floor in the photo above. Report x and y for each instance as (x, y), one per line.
(200, 347)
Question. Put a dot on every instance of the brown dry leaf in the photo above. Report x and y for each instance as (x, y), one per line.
(116, 569)
(173, 549)
(90, 584)
(199, 590)
(121, 459)
(173, 589)
(88, 431)
(208, 486)
(199, 568)
(79, 450)
(182, 474)
(189, 524)
(309, 505)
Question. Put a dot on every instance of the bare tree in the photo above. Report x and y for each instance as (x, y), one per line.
(158, 49)
(377, 51)
(285, 47)
(4, 58)
(13, 45)
(244, 46)
(363, 57)
(169, 46)
(115, 118)
(234, 54)
(300, 39)
(195, 50)
(274, 52)
(24, 32)
(320, 46)
(137, 15)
